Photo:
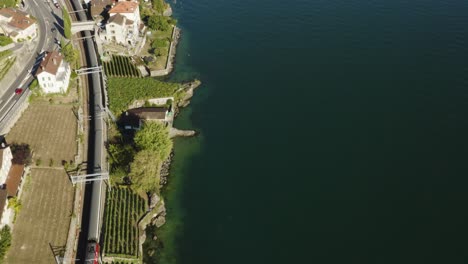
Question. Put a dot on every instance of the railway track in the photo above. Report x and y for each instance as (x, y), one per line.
(89, 238)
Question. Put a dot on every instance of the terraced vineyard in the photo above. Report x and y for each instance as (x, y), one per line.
(123, 210)
(121, 66)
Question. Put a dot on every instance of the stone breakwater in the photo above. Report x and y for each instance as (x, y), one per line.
(189, 90)
(165, 170)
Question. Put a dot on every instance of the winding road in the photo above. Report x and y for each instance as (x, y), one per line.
(50, 17)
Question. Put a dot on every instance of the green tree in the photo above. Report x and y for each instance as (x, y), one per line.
(8, 3)
(154, 136)
(4, 40)
(120, 153)
(159, 6)
(157, 43)
(5, 241)
(21, 153)
(144, 172)
(157, 22)
(70, 54)
(66, 23)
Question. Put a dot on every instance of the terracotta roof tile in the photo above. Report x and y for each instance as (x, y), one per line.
(19, 19)
(124, 7)
(50, 63)
(14, 179)
(117, 19)
(3, 200)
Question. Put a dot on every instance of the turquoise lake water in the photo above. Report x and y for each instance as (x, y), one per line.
(330, 132)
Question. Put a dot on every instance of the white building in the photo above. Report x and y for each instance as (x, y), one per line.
(5, 161)
(53, 73)
(124, 23)
(17, 24)
(11, 177)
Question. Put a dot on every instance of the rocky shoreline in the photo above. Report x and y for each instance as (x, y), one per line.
(189, 90)
(157, 213)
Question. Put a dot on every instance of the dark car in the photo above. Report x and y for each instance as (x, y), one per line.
(19, 91)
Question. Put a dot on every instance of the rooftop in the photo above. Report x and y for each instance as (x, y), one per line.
(19, 19)
(14, 179)
(50, 63)
(3, 146)
(149, 113)
(133, 116)
(117, 19)
(124, 7)
(3, 200)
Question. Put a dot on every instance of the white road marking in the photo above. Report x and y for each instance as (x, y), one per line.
(9, 99)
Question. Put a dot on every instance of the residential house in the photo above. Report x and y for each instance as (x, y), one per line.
(134, 118)
(10, 189)
(124, 24)
(10, 183)
(17, 24)
(54, 73)
(5, 160)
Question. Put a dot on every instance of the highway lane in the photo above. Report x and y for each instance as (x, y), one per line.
(44, 13)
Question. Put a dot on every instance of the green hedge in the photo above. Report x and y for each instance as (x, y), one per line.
(4, 40)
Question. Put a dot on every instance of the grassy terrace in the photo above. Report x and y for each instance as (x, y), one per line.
(123, 91)
(157, 45)
(4, 40)
(8, 3)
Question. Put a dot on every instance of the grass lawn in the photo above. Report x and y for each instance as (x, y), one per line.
(4, 40)
(160, 62)
(8, 3)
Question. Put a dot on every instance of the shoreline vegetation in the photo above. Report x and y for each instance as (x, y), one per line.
(140, 160)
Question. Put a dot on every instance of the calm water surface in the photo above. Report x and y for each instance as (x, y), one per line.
(330, 132)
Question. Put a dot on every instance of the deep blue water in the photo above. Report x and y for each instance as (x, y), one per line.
(330, 132)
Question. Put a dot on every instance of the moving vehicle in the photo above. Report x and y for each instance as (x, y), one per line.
(56, 3)
(18, 90)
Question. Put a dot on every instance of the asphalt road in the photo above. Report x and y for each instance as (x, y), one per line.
(47, 16)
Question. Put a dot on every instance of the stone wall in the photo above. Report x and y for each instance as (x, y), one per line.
(14, 113)
(171, 55)
(7, 47)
